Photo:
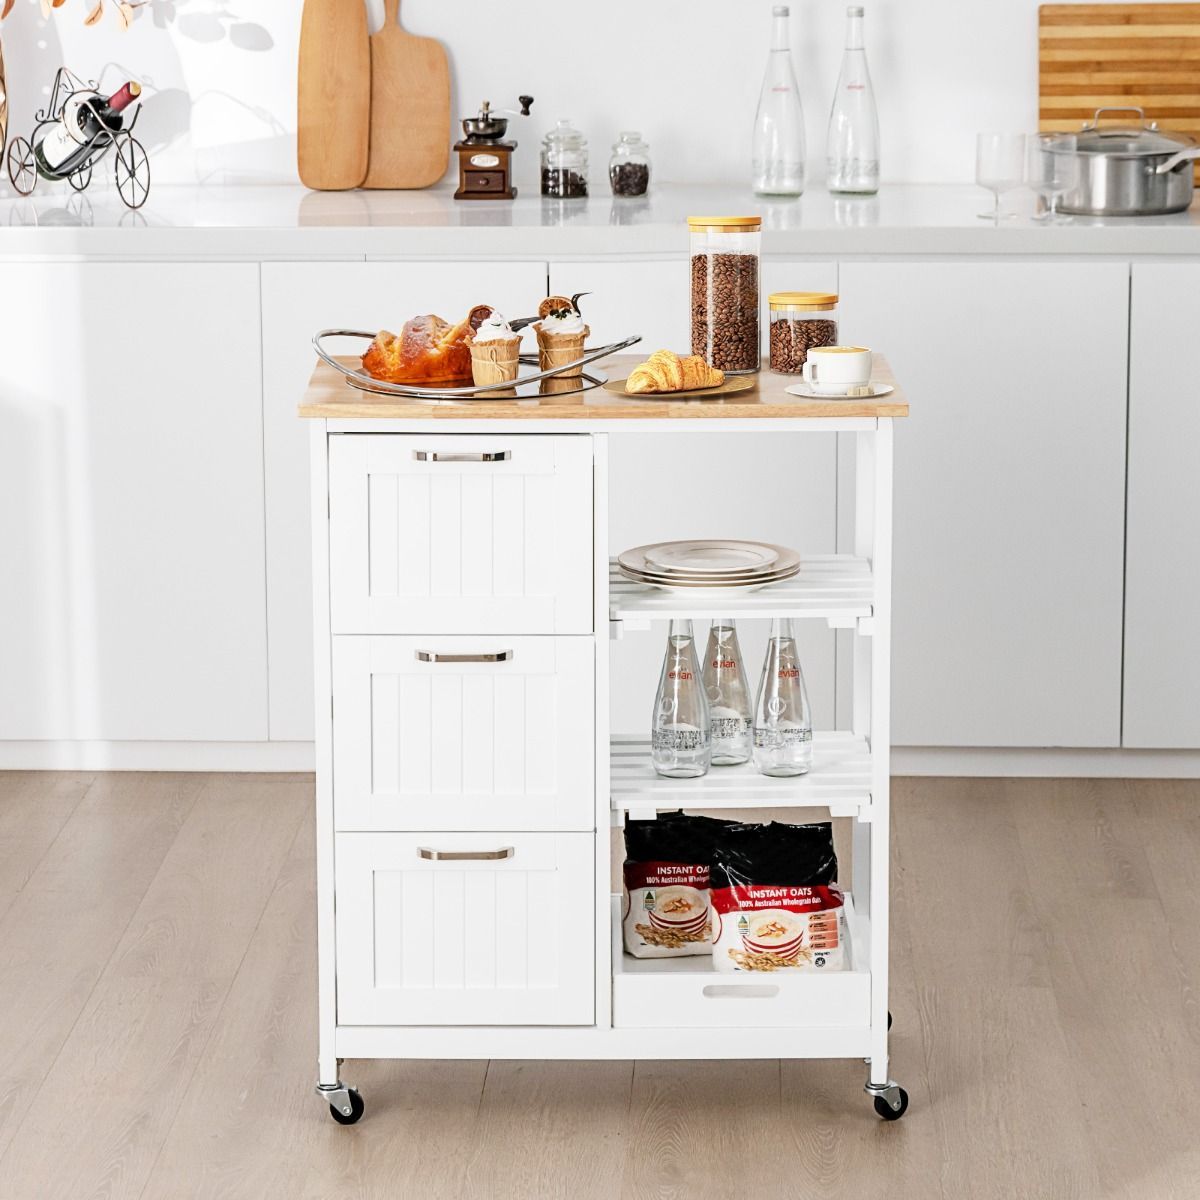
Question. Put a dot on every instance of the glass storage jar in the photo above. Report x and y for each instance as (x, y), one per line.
(629, 167)
(725, 298)
(564, 162)
(799, 322)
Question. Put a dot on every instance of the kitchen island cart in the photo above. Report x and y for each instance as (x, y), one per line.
(467, 782)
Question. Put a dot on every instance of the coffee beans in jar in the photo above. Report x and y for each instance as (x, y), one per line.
(724, 292)
(800, 322)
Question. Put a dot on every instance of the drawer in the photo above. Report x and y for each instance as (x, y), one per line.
(437, 732)
(460, 534)
(687, 993)
(465, 929)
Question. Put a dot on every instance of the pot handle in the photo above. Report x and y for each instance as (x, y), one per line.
(1191, 154)
(1126, 108)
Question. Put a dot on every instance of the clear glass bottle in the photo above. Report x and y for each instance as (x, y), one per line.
(782, 718)
(564, 162)
(681, 743)
(629, 167)
(779, 148)
(852, 149)
(728, 695)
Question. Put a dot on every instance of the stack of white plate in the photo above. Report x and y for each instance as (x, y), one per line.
(715, 565)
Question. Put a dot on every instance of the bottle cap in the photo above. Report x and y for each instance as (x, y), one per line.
(729, 224)
(820, 301)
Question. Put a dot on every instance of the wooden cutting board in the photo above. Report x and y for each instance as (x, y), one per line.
(410, 107)
(334, 95)
(1096, 55)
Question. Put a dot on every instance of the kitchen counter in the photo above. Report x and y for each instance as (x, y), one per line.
(285, 222)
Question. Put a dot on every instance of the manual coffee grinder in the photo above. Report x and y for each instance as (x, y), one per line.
(484, 158)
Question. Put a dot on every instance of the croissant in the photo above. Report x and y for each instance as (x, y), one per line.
(428, 350)
(665, 371)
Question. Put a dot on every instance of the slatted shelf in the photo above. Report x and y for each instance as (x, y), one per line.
(840, 780)
(837, 588)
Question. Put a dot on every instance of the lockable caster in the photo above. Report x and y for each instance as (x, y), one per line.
(346, 1106)
(891, 1100)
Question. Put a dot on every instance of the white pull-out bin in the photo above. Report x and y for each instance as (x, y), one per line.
(465, 929)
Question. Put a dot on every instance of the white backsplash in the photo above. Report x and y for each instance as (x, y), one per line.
(684, 72)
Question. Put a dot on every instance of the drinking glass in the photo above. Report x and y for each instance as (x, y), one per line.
(999, 166)
(1051, 169)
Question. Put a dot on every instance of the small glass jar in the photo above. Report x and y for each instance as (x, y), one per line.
(629, 167)
(564, 162)
(800, 321)
(725, 296)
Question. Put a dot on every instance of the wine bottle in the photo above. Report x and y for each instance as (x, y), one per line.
(852, 150)
(86, 116)
(779, 147)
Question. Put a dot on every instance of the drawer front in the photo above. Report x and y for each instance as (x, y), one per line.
(426, 938)
(460, 534)
(437, 732)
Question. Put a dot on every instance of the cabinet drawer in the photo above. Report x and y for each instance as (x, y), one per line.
(426, 936)
(460, 534)
(437, 732)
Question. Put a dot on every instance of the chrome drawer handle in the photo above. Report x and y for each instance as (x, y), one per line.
(465, 855)
(433, 656)
(461, 456)
(742, 991)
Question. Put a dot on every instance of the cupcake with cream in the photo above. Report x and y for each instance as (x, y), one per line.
(561, 333)
(495, 352)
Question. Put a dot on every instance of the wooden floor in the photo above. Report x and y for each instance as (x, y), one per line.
(157, 1020)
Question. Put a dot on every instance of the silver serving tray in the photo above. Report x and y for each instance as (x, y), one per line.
(521, 385)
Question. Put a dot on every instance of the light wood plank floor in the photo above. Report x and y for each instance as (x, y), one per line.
(157, 1020)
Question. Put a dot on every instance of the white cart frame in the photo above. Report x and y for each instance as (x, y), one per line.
(847, 1012)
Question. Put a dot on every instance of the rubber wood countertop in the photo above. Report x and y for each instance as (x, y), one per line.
(329, 396)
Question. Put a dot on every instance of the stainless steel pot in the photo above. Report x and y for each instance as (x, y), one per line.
(1128, 171)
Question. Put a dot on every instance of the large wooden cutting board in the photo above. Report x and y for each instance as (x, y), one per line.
(410, 107)
(334, 94)
(1096, 55)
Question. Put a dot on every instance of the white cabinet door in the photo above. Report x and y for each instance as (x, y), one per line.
(1162, 562)
(459, 534)
(131, 533)
(465, 929)
(780, 489)
(1009, 496)
(299, 299)
(464, 733)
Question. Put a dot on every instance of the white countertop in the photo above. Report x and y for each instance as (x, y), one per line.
(291, 222)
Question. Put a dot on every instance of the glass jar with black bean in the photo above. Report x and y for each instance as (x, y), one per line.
(564, 162)
(725, 297)
(629, 167)
(800, 322)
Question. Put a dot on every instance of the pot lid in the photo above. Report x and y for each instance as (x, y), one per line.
(1128, 140)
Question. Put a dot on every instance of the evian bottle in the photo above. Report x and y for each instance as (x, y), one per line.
(728, 695)
(681, 743)
(782, 718)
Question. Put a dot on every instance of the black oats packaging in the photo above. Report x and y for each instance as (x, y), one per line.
(666, 910)
(775, 899)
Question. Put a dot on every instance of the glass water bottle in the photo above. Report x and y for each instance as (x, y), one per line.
(782, 718)
(681, 745)
(728, 695)
(852, 150)
(779, 148)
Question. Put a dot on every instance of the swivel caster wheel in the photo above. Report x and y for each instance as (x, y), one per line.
(891, 1100)
(346, 1106)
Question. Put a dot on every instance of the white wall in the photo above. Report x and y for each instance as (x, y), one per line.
(685, 72)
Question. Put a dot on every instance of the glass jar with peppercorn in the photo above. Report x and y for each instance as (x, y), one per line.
(629, 167)
(564, 162)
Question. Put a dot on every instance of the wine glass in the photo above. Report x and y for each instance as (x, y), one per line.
(1051, 169)
(999, 166)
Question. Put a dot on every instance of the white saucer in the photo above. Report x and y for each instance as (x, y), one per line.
(872, 391)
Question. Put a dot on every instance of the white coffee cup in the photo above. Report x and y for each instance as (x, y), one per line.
(836, 370)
